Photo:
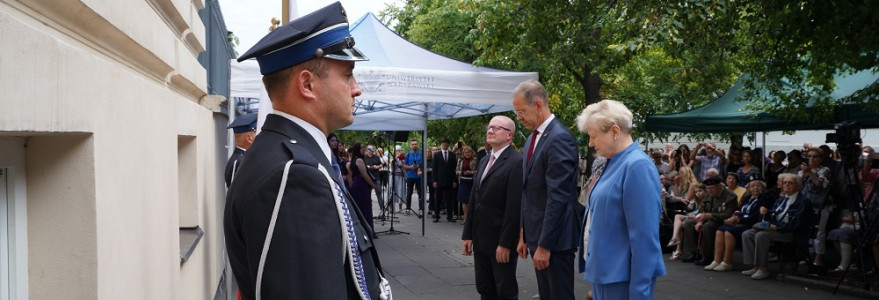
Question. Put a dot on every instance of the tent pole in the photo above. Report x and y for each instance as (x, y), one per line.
(424, 189)
(765, 151)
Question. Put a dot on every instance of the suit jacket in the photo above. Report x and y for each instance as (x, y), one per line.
(306, 258)
(233, 164)
(495, 204)
(549, 193)
(444, 171)
(792, 219)
(624, 209)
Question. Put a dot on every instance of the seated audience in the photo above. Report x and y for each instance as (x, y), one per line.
(780, 224)
(751, 166)
(733, 227)
(693, 209)
(732, 184)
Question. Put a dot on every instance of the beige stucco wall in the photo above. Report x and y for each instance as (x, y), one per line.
(102, 89)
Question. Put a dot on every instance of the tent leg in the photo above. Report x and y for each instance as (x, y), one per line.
(765, 151)
(424, 189)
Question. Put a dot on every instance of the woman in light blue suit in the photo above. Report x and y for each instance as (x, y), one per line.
(622, 253)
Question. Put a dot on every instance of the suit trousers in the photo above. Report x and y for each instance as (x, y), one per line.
(446, 196)
(755, 245)
(495, 280)
(557, 280)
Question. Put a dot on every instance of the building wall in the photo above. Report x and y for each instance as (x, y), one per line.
(103, 91)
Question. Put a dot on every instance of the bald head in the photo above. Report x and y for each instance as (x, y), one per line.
(500, 132)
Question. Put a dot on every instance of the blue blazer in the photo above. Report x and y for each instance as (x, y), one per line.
(624, 207)
(549, 191)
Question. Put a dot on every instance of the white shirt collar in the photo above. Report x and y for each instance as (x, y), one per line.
(315, 133)
(542, 127)
(497, 153)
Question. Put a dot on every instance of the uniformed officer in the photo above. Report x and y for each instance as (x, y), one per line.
(291, 231)
(244, 128)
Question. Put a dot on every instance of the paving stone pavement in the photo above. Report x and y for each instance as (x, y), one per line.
(431, 266)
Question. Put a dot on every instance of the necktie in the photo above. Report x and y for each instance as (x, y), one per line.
(352, 243)
(531, 146)
(782, 206)
(445, 157)
(487, 167)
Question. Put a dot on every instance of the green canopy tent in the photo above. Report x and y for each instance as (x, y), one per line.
(725, 114)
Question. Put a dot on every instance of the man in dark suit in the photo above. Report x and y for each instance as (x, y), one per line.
(291, 231)
(444, 163)
(549, 226)
(492, 226)
(244, 128)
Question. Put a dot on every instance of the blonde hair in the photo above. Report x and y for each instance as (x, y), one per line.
(687, 177)
(605, 114)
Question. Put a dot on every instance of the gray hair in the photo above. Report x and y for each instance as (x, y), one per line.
(796, 179)
(605, 114)
(531, 90)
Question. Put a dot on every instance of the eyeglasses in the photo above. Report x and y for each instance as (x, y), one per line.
(495, 128)
(519, 112)
(788, 182)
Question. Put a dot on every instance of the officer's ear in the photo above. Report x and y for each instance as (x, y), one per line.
(305, 83)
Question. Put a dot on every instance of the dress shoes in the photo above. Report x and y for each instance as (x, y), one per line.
(702, 262)
(691, 257)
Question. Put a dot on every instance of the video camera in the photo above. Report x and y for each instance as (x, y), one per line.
(847, 133)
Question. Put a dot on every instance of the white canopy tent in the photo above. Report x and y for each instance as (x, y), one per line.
(403, 84)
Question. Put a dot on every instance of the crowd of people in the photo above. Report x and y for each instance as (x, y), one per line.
(810, 199)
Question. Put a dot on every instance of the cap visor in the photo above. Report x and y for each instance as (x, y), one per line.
(348, 54)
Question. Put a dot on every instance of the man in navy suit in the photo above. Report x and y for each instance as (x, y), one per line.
(444, 162)
(549, 226)
(492, 226)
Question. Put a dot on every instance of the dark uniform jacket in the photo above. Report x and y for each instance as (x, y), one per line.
(306, 257)
(233, 164)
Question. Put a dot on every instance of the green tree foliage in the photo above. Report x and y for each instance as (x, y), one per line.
(791, 48)
(657, 56)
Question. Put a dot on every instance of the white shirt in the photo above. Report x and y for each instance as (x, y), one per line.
(497, 153)
(541, 129)
(315, 133)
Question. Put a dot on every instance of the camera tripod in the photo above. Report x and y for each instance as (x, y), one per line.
(392, 195)
(854, 194)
